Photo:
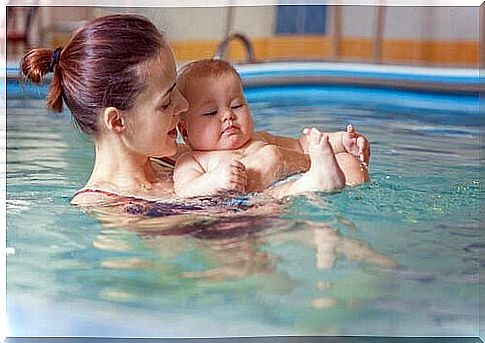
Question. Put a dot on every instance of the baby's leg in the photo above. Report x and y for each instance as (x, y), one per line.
(324, 174)
(355, 172)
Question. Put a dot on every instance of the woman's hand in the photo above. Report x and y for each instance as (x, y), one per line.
(356, 144)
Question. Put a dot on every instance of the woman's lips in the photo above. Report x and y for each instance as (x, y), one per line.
(173, 133)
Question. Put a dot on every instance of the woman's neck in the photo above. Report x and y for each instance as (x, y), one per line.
(118, 168)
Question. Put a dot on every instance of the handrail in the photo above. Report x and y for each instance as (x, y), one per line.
(337, 33)
(222, 48)
(377, 45)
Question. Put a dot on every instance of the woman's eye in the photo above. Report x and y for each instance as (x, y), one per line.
(165, 106)
(212, 113)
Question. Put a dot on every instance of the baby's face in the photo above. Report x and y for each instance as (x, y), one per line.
(218, 117)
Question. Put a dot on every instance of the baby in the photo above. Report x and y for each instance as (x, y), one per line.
(228, 156)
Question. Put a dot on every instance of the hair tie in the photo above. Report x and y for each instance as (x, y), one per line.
(56, 55)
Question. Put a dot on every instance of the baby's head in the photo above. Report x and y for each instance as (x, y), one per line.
(218, 117)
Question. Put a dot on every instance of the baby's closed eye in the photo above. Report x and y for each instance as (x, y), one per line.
(209, 113)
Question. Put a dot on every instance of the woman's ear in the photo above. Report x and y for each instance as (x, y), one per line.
(113, 119)
(183, 131)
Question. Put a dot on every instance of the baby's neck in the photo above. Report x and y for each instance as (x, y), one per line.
(241, 149)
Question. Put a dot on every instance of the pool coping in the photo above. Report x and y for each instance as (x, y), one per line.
(456, 80)
(278, 73)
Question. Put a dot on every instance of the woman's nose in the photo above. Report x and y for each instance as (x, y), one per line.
(182, 105)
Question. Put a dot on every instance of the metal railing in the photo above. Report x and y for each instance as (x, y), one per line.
(336, 35)
(248, 46)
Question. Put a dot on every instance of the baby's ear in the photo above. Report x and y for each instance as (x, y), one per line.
(183, 131)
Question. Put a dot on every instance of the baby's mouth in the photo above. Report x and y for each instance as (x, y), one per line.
(231, 129)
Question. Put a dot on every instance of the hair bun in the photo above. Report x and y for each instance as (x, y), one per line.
(35, 63)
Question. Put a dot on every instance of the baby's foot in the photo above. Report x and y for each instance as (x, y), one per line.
(324, 173)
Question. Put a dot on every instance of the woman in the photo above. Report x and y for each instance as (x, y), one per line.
(117, 76)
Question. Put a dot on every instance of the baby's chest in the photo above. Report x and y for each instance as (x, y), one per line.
(215, 159)
(254, 148)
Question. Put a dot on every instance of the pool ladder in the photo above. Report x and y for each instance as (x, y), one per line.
(248, 46)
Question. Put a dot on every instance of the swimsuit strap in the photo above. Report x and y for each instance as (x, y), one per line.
(107, 193)
(164, 161)
(96, 190)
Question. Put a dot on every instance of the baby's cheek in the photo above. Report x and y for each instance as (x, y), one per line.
(211, 137)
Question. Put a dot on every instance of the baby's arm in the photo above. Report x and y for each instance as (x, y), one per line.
(191, 180)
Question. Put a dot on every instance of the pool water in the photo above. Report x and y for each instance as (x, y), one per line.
(398, 256)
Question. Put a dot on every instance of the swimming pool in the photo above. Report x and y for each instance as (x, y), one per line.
(398, 256)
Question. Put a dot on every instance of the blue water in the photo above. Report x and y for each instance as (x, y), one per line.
(397, 256)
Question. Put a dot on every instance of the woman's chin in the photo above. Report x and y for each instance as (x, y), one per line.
(171, 148)
(168, 150)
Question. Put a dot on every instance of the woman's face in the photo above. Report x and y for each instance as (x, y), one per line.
(151, 123)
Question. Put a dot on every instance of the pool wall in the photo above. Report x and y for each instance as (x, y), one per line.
(464, 81)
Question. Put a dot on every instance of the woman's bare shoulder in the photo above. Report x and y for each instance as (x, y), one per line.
(88, 198)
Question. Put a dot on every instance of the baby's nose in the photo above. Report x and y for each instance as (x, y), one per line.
(228, 114)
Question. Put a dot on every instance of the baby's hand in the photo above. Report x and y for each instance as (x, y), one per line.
(230, 176)
(356, 144)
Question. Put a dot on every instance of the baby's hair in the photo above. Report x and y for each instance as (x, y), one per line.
(104, 64)
(204, 68)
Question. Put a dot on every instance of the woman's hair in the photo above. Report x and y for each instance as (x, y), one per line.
(103, 65)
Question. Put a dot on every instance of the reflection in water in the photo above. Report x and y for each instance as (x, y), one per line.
(227, 247)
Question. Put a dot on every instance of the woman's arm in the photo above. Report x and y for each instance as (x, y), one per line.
(301, 144)
(281, 141)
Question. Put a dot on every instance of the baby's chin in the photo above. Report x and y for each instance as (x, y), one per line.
(233, 144)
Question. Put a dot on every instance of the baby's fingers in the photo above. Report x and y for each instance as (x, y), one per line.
(351, 132)
(364, 149)
(239, 182)
(238, 165)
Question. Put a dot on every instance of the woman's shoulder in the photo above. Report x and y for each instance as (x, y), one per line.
(90, 196)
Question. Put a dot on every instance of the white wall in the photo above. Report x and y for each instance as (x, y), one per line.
(255, 21)
(189, 23)
(414, 22)
(201, 23)
(357, 21)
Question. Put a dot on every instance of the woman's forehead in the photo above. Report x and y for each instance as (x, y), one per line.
(161, 73)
